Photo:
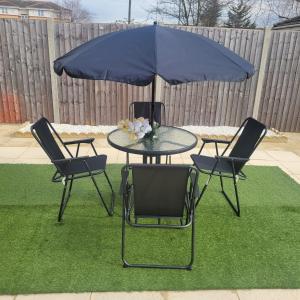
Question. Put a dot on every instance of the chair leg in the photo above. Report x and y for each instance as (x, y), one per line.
(126, 264)
(77, 150)
(109, 212)
(113, 195)
(236, 208)
(94, 149)
(221, 182)
(192, 243)
(56, 177)
(203, 190)
(65, 198)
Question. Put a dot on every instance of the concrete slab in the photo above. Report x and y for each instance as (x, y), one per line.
(62, 296)
(11, 152)
(292, 167)
(266, 294)
(261, 155)
(204, 295)
(4, 140)
(7, 297)
(286, 156)
(34, 161)
(7, 160)
(33, 153)
(260, 162)
(128, 296)
(296, 178)
(20, 142)
(177, 159)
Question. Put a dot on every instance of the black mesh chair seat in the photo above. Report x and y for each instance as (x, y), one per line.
(157, 192)
(79, 165)
(72, 168)
(207, 163)
(244, 143)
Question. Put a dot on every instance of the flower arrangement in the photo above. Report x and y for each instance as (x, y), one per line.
(137, 128)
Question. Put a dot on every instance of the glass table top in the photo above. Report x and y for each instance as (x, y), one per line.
(170, 140)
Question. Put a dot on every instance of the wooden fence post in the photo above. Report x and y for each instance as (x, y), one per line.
(158, 84)
(262, 71)
(54, 83)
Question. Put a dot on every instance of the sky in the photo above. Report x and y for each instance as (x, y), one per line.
(106, 11)
(112, 10)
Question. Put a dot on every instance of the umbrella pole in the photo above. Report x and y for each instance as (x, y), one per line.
(153, 100)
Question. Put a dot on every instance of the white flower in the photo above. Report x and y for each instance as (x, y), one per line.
(136, 129)
(148, 129)
(130, 127)
(140, 135)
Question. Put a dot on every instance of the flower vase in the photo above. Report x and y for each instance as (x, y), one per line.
(153, 134)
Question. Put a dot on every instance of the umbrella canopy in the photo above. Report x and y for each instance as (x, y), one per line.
(135, 56)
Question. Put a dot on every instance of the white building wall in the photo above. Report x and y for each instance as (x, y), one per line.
(45, 13)
(10, 11)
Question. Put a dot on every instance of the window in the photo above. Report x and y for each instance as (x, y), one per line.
(40, 13)
(3, 10)
(24, 17)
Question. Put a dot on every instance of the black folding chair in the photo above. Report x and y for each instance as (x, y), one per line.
(143, 109)
(156, 193)
(249, 136)
(72, 168)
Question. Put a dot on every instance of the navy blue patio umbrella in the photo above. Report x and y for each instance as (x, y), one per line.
(136, 56)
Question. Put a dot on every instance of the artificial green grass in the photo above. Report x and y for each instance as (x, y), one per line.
(38, 255)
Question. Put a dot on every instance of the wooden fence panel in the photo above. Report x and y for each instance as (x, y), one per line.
(88, 101)
(25, 93)
(216, 103)
(280, 103)
(26, 89)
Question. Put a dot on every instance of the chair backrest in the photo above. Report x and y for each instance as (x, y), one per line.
(252, 133)
(159, 190)
(43, 132)
(143, 109)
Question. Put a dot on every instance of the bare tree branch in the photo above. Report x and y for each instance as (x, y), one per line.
(78, 12)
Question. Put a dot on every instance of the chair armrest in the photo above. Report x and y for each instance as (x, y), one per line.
(65, 160)
(232, 158)
(82, 141)
(207, 140)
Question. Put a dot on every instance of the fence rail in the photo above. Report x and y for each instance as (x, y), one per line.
(28, 88)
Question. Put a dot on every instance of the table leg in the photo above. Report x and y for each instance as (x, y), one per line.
(152, 159)
(144, 159)
(157, 159)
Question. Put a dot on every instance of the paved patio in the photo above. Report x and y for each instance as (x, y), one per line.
(16, 150)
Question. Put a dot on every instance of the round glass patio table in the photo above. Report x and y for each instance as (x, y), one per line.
(169, 140)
